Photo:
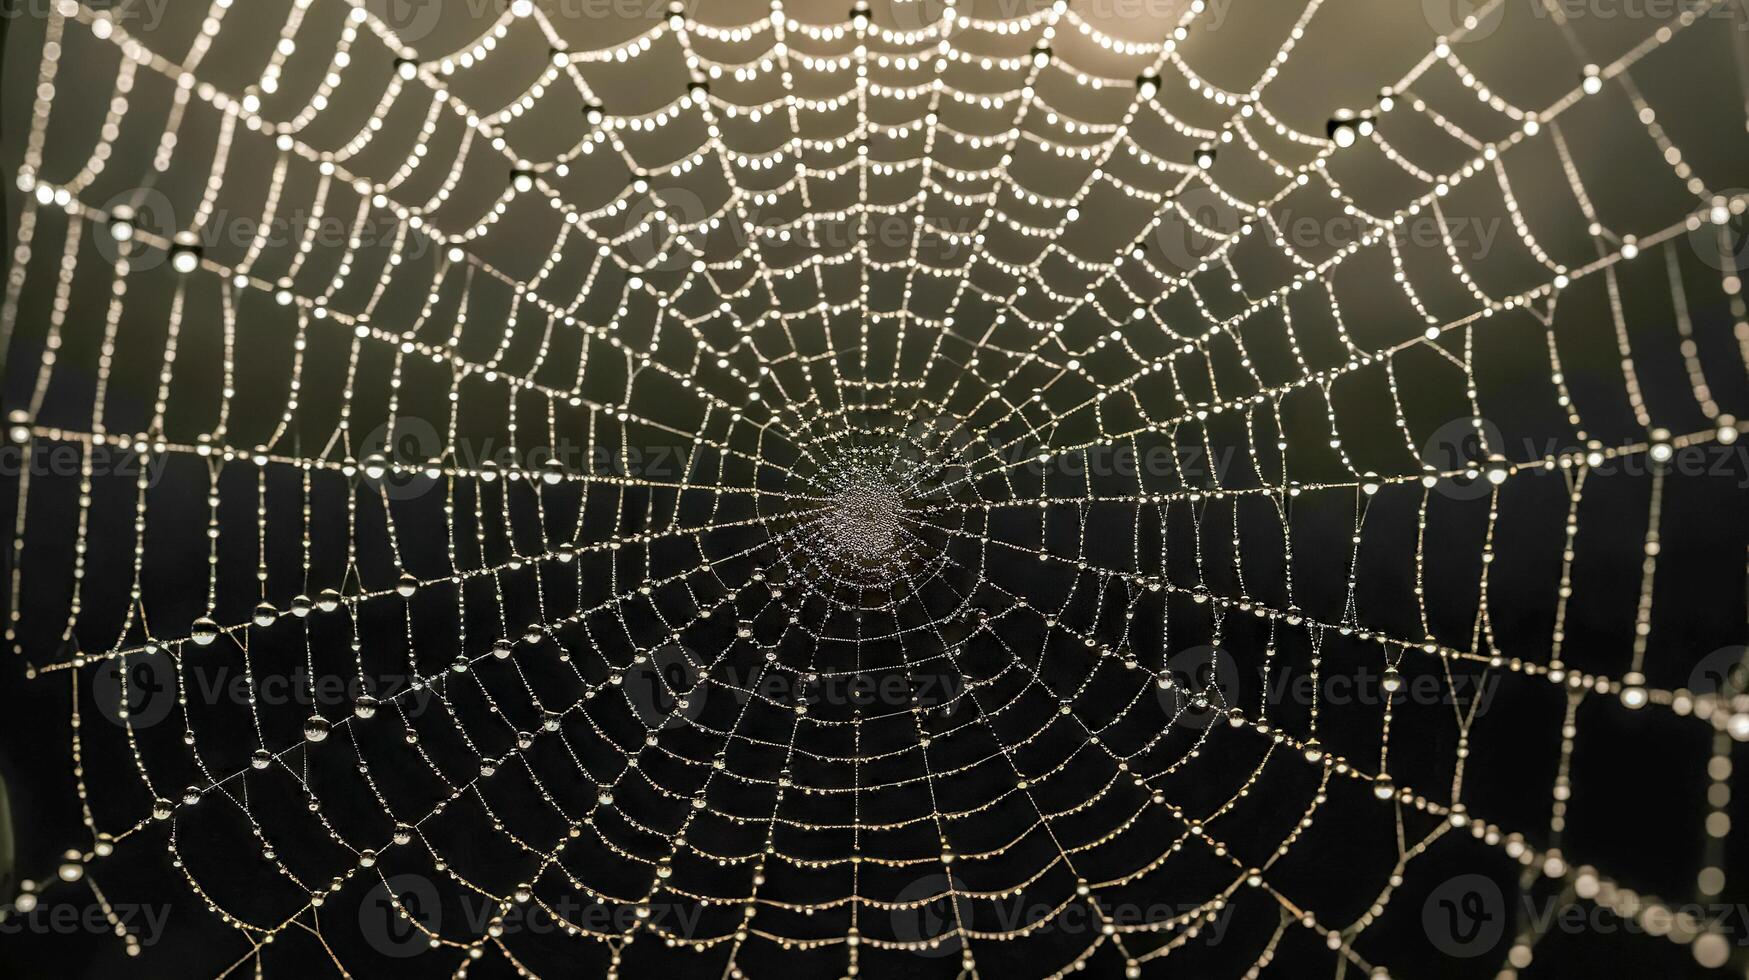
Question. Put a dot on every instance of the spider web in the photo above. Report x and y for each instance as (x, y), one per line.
(806, 557)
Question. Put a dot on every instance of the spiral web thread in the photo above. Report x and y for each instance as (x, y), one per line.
(882, 469)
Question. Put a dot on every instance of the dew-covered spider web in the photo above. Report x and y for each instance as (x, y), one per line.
(985, 489)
